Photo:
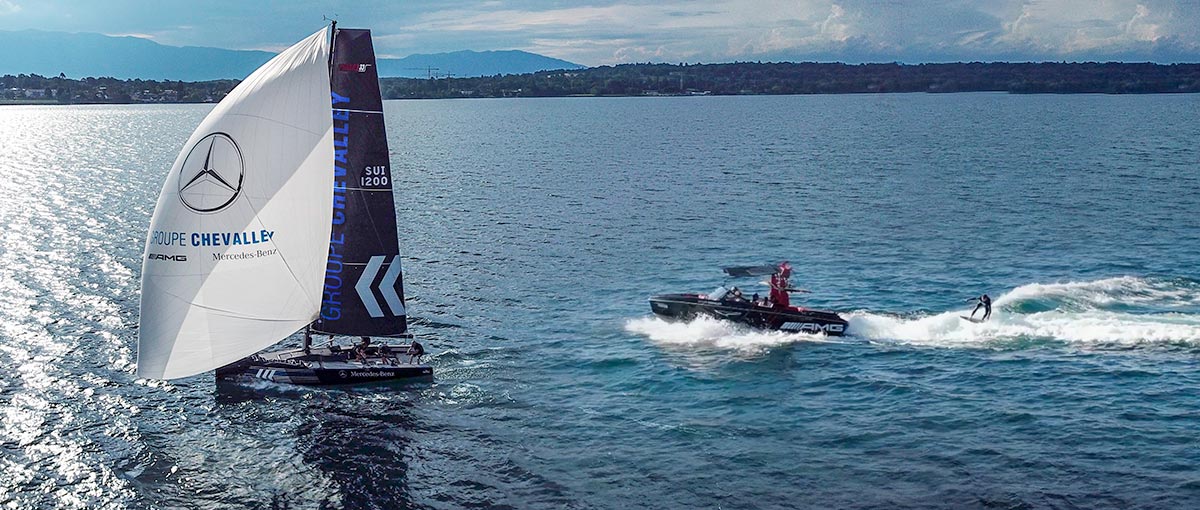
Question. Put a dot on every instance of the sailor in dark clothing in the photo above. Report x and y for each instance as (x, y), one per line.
(360, 350)
(385, 354)
(985, 303)
(415, 351)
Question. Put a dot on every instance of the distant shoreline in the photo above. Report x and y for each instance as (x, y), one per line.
(579, 96)
(5, 102)
(652, 80)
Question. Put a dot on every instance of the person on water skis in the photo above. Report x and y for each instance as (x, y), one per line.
(779, 286)
(985, 303)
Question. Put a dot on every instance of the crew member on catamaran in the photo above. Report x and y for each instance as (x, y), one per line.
(415, 351)
(779, 285)
(360, 350)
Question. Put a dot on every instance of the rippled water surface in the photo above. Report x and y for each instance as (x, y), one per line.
(534, 230)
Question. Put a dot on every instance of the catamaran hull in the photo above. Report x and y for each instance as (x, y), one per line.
(322, 367)
(328, 376)
(792, 319)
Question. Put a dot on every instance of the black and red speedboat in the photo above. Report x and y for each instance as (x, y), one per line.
(728, 303)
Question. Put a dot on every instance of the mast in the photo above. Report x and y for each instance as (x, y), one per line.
(332, 35)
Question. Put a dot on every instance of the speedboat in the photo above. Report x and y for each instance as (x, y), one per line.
(728, 304)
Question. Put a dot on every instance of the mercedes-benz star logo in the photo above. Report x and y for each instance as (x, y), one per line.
(211, 176)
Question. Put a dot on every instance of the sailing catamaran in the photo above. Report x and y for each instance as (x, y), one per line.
(278, 216)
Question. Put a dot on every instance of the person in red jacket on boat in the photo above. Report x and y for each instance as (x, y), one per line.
(779, 286)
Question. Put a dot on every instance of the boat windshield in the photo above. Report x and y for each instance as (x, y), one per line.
(716, 295)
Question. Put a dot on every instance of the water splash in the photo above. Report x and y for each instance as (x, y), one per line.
(705, 332)
(1124, 311)
(1121, 293)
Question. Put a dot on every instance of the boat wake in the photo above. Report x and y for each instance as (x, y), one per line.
(1121, 312)
(709, 333)
(1114, 312)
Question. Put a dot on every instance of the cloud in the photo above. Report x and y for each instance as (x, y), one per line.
(509, 20)
(600, 32)
(851, 30)
(636, 32)
(955, 30)
(1070, 28)
(592, 34)
(836, 25)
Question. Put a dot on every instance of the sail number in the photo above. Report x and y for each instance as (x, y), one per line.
(375, 176)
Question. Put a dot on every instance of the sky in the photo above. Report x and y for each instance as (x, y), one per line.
(595, 33)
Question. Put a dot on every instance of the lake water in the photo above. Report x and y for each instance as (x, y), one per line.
(533, 231)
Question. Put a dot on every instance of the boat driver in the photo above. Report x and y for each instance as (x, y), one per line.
(779, 286)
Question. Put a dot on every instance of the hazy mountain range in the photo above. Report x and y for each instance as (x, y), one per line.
(79, 55)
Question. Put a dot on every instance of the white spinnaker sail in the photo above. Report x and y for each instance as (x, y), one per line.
(236, 253)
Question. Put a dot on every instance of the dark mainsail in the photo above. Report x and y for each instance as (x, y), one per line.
(364, 291)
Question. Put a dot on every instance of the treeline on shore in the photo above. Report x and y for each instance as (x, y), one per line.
(32, 88)
(669, 79)
(813, 78)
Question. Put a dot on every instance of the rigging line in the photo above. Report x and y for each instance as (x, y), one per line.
(374, 226)
(282, 258)
(225, 312)
(280, 122)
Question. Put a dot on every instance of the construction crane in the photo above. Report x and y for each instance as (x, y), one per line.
(428, 70)
(680, 80)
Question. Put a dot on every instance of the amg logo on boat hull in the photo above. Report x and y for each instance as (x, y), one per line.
(173, 258)
(812, 327)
